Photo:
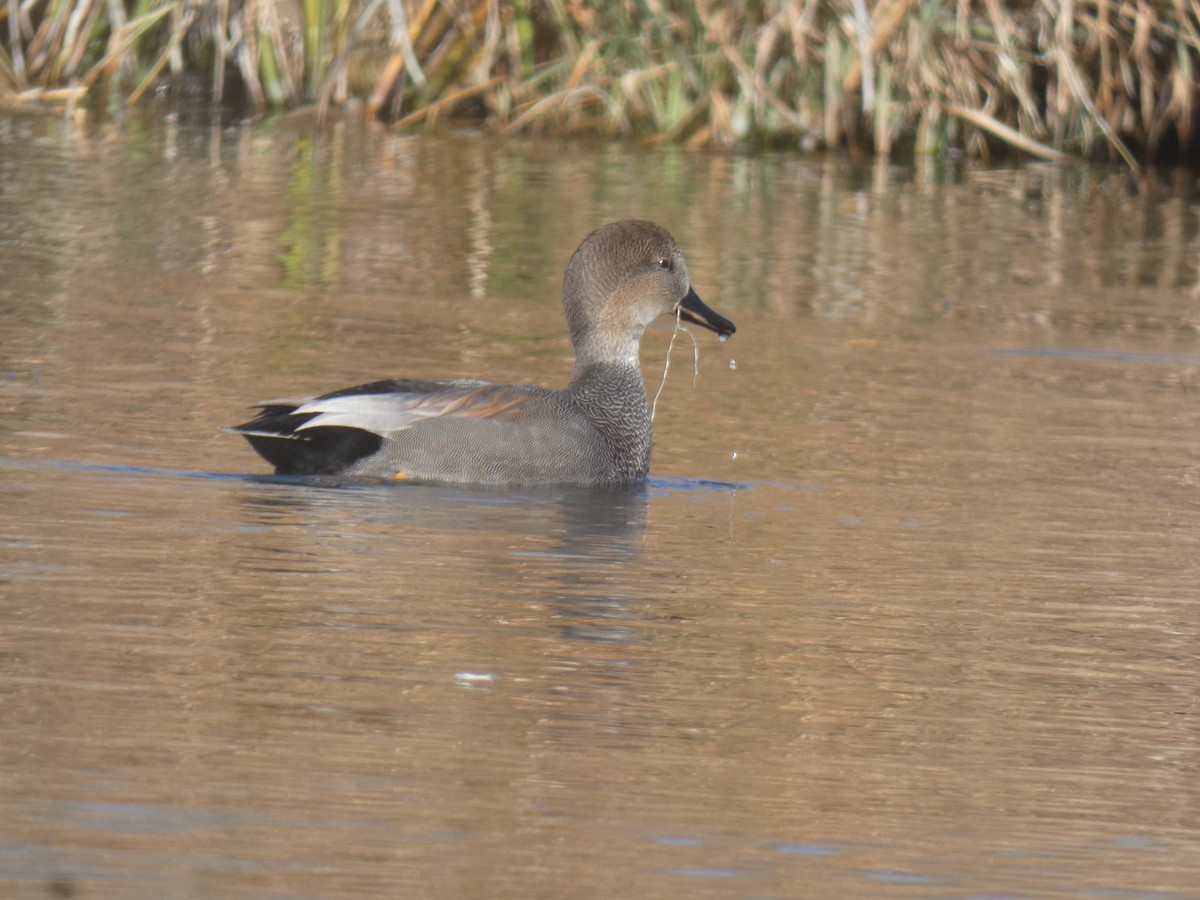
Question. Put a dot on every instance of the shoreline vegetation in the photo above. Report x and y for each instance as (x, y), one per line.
(1053, 79)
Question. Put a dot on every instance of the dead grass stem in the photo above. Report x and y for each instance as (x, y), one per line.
(1052, 78)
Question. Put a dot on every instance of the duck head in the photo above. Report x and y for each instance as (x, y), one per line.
(624, 276)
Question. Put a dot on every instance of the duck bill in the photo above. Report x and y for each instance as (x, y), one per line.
(693, 309)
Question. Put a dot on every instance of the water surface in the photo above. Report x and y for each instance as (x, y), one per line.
(908, 607)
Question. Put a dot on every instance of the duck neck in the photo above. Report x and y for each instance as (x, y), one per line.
(598, 347)
(613, 397)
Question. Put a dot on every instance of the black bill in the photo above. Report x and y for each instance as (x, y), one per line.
(693, 309)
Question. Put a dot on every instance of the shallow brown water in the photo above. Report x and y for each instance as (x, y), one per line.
(908, 608)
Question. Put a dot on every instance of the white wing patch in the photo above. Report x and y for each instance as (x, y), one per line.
(379, 413)
(387, 413)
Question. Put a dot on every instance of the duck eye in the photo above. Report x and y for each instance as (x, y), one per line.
(665, 263)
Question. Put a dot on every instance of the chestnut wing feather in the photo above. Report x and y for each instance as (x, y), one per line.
(386, 412)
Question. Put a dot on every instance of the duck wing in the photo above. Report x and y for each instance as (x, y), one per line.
(326, 435)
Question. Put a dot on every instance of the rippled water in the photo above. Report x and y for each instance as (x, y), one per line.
(908, 608)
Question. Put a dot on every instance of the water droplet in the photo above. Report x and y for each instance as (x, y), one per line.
(733, 455)
(733, 363)
(722, 338)
(472, 679)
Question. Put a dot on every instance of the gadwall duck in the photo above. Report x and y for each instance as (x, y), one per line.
(594, 431)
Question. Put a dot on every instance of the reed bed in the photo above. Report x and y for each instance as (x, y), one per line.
(1051, 78)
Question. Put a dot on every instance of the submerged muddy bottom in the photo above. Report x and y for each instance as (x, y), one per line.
(907, 608)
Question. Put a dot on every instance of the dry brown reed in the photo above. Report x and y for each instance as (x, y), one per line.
(1051, 78)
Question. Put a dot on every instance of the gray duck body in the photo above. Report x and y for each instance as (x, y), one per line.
(594, 431)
